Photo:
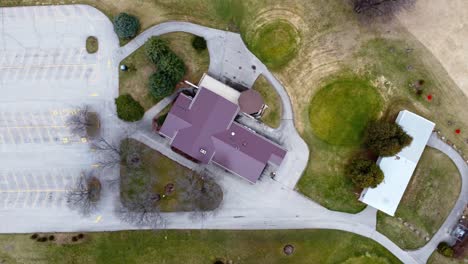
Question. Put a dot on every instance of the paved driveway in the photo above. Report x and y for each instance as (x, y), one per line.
(45, 74)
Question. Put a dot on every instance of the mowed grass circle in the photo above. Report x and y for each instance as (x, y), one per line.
(340, 111)
(275, 43)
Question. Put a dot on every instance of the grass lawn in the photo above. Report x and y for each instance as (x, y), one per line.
(135, 80)
(340, 111)
(338, 114)
(384, 62)
(394, 65)
(272, 115)
(428, 200)
(204, 247)
(275, 43)
(157, 171)
(92, 45)
(437, 258)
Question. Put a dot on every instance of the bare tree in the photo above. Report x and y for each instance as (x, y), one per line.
(126, 152)
(142, 212)
(84, 196)
(373, 8)
(80, 122)
(201, 192)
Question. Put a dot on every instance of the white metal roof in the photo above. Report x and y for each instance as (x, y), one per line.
(399, 168)
(219, 88)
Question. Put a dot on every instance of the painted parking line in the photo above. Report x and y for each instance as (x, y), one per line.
(98, 219)
(30, 127)
(33, 190)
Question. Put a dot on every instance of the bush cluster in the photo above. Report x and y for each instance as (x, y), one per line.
(126, 26)
(383, 139)
(445, 249)
(128, 109)
(365, 173)
(170, 68)
(386, 138)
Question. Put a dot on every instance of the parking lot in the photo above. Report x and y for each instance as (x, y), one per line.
(36, 127)
(35, 188)
(45, 75)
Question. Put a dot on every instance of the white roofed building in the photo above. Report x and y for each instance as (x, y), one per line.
(398, 169)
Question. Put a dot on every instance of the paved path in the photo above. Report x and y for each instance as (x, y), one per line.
(229, 58)
(443, 234)
(269, 204)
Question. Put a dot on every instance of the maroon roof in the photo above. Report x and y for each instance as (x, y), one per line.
(204, 128)
(250, 101)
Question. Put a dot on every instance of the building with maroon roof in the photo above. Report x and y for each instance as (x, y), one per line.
(203, 128)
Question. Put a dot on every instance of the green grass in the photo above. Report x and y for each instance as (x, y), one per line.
(437, 258)
(343, 107)
(135, 80)
(275, 43)
(92, 45)
(203, 247)
(272, 115)
(390, 59)
(429, 198)
(340, 111)
(158, 171)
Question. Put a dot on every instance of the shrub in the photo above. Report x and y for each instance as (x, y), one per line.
(41, 239)
(155, 49)
(199, 43)
(161, 85)
(172, 66)
(74, 238)
(51, 238)
(34, 236)
(80, 236)
(126, 26)
(445, 249)
(386, 139)
(365, 173)
(128, 109)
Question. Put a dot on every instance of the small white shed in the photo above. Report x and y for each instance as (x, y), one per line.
(399, 168)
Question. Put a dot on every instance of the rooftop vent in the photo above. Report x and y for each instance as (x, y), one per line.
(202, 151)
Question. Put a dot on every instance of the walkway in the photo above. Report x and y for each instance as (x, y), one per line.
(269, 204)
(443, 234)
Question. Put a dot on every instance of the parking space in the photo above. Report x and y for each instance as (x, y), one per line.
(36, 126)
(45, 75)
(35, 188)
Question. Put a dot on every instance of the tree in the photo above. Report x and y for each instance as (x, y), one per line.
(199, 43)
(445, 249)
(374, 8)
(160, 85)
(86, 193)
(126, 26)
(129, 109)
(172, 66)
(365, 173)
(142, 212)
(117, 153)
(83, 123)
(386, 139)
(201, 192)
(155, 49)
